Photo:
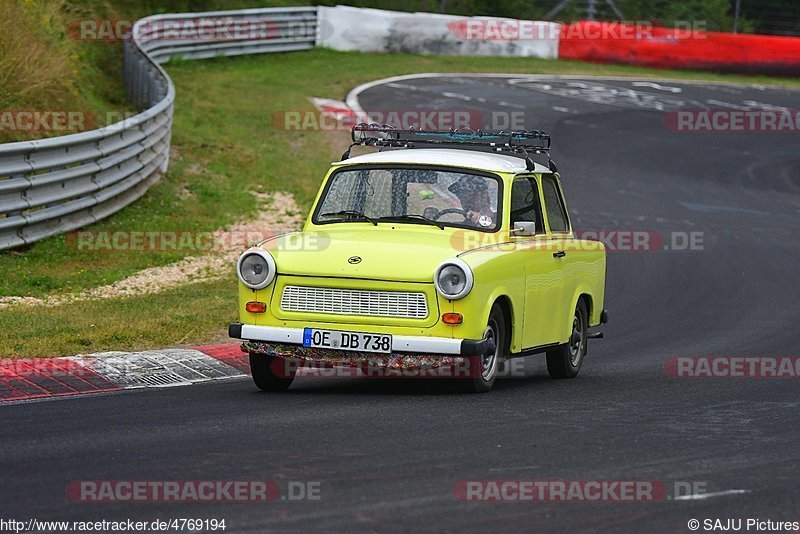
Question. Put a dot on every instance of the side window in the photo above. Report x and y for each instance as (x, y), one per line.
(554, 205)
(525, 203)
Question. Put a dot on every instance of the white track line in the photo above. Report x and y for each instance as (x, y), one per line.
(704, 496)
(353, 103)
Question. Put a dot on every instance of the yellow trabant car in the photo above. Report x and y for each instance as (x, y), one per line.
(442, 252)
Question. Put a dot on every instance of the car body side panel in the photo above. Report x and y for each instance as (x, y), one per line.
(543, 292)
(585, 274)
(584, 269)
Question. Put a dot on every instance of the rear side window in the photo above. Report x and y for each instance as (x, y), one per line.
(554, 204)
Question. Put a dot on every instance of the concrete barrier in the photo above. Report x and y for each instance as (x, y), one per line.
(608, 42)
(375, 30)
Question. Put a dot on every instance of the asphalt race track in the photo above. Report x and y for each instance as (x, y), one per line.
(388, 453)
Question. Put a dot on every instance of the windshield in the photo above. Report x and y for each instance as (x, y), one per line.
(421, 196)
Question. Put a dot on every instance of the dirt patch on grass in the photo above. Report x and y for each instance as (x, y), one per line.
(278, 213)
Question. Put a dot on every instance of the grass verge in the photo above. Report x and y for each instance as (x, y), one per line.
(173, 317)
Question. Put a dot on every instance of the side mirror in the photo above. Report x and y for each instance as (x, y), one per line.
(524, 228)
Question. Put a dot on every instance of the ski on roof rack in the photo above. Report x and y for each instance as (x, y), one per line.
(520, 143)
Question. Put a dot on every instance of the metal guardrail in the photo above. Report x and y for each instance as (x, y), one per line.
(59, 184)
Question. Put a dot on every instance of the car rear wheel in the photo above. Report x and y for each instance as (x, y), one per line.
(483, 369)
(566, 360)
(271, 373)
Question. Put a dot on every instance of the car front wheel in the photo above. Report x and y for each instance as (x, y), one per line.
(271, 373)
(483, 369)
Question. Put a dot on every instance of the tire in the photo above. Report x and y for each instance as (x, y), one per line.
(485, 367)
(271, 373)
(566, 360)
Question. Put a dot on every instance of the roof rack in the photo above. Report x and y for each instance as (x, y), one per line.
(520, 143)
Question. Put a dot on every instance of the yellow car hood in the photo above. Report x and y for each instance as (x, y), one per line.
(389, 251)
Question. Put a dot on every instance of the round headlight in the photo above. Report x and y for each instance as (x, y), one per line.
(453, 279)
(256, 268)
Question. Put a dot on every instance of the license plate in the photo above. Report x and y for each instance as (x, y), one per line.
(355, 341)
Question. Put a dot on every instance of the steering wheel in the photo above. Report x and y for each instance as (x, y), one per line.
(448, 211)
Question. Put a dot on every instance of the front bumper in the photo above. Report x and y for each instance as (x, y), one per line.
(400, 344)
(368, 361)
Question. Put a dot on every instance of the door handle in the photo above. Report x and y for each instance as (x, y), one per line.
(560, 254)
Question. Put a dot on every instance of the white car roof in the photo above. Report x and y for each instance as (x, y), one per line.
(451, 157)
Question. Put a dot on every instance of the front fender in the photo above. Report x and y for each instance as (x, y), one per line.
(497, 276)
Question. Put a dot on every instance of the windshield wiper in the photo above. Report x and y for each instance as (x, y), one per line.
(351, 213)
(412, 217)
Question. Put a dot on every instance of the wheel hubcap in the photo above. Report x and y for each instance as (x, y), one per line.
(576, 340)
(489, 360)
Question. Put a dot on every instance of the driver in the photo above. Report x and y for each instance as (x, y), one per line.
(473, 193)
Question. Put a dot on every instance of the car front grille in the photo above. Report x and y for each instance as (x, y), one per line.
(403, 304)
